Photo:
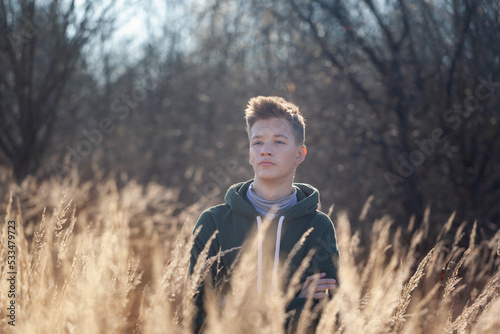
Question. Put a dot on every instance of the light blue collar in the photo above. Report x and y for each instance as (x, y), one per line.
(275, 207)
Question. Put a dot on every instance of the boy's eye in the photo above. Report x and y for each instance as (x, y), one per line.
(257, 143)
(279, 142)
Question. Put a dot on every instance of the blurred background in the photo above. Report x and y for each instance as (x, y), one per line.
(401, 97)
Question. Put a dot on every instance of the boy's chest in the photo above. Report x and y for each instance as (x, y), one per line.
(237, 236)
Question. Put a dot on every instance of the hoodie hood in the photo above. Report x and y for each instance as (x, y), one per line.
(307, 201)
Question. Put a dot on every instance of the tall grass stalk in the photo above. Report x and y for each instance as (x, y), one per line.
(92, 258)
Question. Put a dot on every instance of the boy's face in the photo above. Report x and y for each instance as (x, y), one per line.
(274, 153)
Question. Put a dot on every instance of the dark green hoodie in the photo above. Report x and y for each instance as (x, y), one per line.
(237, 219)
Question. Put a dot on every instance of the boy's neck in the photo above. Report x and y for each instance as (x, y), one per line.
(272, 190)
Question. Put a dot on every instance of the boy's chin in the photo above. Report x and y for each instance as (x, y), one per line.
(268, 176)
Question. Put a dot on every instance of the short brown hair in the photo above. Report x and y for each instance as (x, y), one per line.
(265, 107)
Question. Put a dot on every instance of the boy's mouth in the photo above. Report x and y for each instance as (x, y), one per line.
(266, 163)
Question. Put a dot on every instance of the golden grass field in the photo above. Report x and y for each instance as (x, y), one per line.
(94, 259)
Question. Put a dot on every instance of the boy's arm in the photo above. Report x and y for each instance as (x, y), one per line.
(207, 229)
(326, 256)
(322, 269)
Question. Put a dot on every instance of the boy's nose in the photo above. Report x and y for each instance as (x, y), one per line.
(266, 150)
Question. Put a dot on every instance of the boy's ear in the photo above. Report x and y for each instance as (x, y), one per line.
(301, 155)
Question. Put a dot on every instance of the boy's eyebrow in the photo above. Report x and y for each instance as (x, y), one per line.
(256, 137)
(276, 135)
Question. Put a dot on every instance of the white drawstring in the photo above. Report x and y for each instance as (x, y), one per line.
(276, 252)
(259, 254)
(277, 248)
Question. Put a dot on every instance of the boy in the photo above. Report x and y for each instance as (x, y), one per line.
(276, 131)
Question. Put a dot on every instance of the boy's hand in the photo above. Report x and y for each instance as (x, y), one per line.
(320, 285)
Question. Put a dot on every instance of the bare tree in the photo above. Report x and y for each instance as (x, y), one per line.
(40, 45)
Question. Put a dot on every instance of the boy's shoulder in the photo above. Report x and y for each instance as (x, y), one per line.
(217, 209)
(216, 213)
(321, 219)
(321, 222)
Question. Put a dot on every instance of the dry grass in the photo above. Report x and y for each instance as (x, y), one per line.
(94, 259)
